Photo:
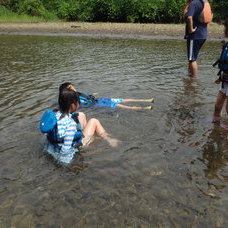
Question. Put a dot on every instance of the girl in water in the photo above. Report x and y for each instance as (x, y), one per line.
(68, 126)
(89, 100)
(222, 97)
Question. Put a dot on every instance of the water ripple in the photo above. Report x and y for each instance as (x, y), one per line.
(171, 160)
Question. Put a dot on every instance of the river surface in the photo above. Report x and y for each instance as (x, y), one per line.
(170, 168)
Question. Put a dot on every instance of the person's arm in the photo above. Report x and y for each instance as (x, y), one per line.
(192, 9)
(71, 87)
(217, 81)
(190, 25)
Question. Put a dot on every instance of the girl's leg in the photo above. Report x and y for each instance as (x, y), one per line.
(138, 100)
(82, 119)
(218, 107)
(133, 107)
(94, 127)
(227, 105)
(129, 107)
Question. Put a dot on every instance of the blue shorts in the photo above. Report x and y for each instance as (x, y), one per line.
(193, 48)
(108, 102)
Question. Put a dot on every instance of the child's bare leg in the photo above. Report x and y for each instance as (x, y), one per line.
(193, 68)
(129, 107)
(133, 107)
(82, 119)
(218, 107)
(227, 105)
(138, 100)
(94, 127)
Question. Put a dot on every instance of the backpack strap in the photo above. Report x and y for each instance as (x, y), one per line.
(74, 116)
(206, 14)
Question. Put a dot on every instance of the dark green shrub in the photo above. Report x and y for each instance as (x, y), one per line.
(142, 11)
(100, 10)
(63, 10)
(147, 11)
(34, 8)
(123, 11)
(10, 4)
(220, 9)
(170, 11)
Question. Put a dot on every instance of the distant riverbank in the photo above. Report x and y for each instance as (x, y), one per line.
(105, 29)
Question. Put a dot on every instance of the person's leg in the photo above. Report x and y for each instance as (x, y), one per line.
(133, 107)
(82, 119)
(190, 55)
(193, 68)
(193, 48)
(218, 107)
(138, 100)
(94, 127)
(115, 102)
(227, 105)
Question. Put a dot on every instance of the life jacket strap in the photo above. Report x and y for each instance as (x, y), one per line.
(52, 136)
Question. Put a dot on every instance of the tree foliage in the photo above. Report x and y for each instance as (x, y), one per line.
(142, 11)
(220, 8)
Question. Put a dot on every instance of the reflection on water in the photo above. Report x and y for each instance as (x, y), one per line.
(215, 152)
(171, 166)
(186, 108)
(214, 159)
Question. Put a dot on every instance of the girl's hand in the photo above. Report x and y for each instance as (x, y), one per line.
(71, 87)
(217, 81)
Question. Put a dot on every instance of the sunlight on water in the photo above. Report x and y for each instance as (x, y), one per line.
(170, 168)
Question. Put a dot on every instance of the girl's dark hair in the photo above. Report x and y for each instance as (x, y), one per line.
(64, 86)
(66, 98)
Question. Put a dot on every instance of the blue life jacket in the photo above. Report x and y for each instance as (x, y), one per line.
(223, 60)
(87, 99)
(48, 124)
(222, 63)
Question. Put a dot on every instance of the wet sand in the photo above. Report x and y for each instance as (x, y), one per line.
(147, 31)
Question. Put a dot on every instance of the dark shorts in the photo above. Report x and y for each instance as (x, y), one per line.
(193, 48)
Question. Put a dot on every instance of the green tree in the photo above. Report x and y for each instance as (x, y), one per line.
(220, 9)
(142, 11)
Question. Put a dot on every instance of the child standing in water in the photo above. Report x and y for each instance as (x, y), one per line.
(67, 127)
(89, 100)
(223, 91)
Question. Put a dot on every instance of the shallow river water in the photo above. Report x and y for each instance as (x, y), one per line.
(170, 168)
